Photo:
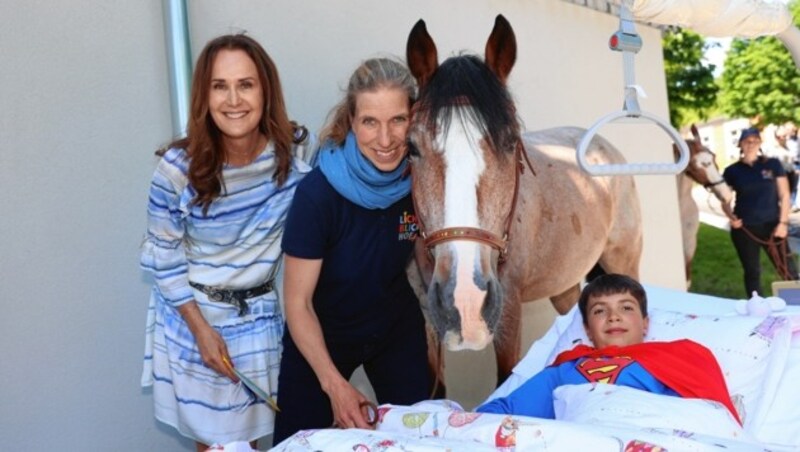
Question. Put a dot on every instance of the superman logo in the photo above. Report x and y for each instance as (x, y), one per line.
(603, 370)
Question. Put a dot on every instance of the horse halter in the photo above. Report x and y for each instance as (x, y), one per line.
(477, 234)
(711, 185)
(697, 149)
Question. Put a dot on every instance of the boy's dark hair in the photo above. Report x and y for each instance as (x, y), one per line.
(611, 284)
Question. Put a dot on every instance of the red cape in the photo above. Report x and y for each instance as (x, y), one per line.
(684, 366)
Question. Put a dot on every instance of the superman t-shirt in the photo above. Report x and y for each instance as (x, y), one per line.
(535, 396)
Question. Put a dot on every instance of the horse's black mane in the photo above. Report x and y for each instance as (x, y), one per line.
(466, 79)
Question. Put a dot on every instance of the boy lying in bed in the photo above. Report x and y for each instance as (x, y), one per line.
(614, 310)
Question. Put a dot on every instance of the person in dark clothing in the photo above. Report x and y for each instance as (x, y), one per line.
(351, 233)
(760, 218)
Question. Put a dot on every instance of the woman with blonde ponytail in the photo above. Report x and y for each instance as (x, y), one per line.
(349, 237)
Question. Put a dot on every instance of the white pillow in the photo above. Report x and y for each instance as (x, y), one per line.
(751, 352)
(621, 406)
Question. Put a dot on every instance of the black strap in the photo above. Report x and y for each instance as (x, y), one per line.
(234, 297)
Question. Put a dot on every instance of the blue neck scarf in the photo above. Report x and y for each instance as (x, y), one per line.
(357, 179)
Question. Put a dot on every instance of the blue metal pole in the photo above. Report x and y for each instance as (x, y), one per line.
(180, 62)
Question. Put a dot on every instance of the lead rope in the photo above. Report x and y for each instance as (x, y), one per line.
(775, 249)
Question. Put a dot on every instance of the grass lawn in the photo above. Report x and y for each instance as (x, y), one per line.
(716, 269)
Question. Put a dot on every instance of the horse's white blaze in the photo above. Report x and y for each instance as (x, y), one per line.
(464, 165)
(706, 163)
(469, 298)
(705, 160)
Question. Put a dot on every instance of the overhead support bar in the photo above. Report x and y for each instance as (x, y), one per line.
(627, 41)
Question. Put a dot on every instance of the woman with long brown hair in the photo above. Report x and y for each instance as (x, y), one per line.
(218, 204)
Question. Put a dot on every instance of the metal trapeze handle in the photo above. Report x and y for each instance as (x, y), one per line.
(627, 41)
(613, 169)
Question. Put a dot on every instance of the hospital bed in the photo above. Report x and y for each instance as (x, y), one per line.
(759, 357)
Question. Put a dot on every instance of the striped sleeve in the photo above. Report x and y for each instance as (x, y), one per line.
(163, 252)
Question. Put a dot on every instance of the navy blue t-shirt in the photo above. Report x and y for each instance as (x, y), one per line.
(756, 189)
(362, 287)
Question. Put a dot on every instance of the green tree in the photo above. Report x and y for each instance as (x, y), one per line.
(760, 79)
(691, 90)
(794, 8)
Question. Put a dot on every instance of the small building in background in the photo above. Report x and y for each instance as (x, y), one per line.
(721, 135)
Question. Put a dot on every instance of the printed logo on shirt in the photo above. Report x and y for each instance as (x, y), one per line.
(767, 174)
(603, 370)
(408, 227)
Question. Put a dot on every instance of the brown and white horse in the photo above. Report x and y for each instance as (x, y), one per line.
(504, 217)
(703, 170)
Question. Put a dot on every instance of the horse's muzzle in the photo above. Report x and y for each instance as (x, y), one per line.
(467, 326)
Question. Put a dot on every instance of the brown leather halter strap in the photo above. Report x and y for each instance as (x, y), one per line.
(476, 234)
(711, 185)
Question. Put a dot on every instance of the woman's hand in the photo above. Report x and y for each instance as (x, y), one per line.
(346, 402)
(735, 221)
(210, 344)
(299, 283)
(781, 230)
(214, 352)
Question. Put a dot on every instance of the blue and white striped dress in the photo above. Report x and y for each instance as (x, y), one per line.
(237, 246)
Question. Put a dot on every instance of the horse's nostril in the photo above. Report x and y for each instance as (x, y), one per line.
(435, 296)
(493, 304)
(440, 296)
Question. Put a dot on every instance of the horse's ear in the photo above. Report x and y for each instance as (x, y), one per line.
(501, 48)
(421, 54)
(696, 134)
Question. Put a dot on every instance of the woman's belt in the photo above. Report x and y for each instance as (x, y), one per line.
(235, 297)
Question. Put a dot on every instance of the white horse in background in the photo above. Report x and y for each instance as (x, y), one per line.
(703, 170)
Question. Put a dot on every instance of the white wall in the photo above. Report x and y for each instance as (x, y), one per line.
(85, 102)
